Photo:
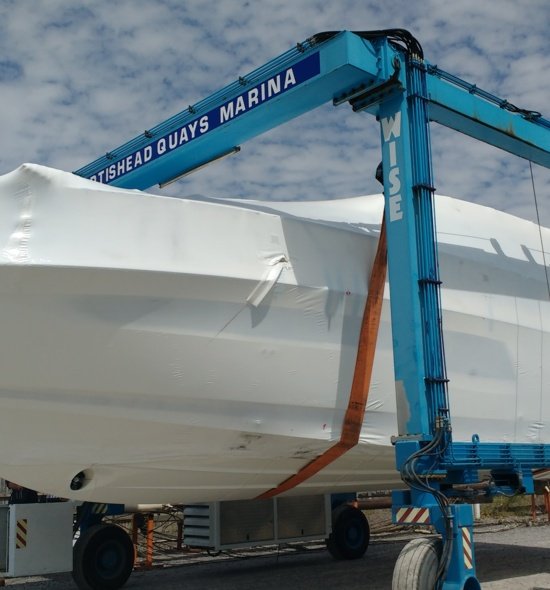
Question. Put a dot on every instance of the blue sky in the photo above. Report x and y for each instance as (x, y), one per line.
(80, 78)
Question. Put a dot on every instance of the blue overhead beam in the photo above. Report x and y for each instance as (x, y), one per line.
(486, 118)
(298, 81)
(288, 86)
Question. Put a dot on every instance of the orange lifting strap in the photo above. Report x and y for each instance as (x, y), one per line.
(353, 420)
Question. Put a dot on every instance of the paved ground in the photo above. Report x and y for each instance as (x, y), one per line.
(508, 559)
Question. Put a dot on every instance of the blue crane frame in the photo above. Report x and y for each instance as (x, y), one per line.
(383, 74)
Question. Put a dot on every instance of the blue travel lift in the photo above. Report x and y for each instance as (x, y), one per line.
(382, 73)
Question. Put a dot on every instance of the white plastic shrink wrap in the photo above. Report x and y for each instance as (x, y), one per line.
(180, 350)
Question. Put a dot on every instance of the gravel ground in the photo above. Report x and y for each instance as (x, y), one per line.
(509, 557)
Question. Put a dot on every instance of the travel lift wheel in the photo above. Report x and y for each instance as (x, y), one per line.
(103, 558)
(416, 566)
(350, 534)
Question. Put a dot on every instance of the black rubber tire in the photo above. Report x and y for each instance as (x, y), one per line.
(103, 558)
(416, 566)
(350, 534)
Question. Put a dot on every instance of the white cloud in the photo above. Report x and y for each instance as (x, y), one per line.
(77, 81)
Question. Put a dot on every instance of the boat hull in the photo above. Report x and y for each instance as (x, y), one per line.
(177, 351)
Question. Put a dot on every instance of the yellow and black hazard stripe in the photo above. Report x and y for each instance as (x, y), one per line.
(467, 548)
(412, 515)
(21, 533)
(100, 508)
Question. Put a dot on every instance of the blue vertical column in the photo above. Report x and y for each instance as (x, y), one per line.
(407, 331)
(429, 281)
(412, 258)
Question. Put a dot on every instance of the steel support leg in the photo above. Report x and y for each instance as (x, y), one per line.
(461, 573)
(421, 508)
